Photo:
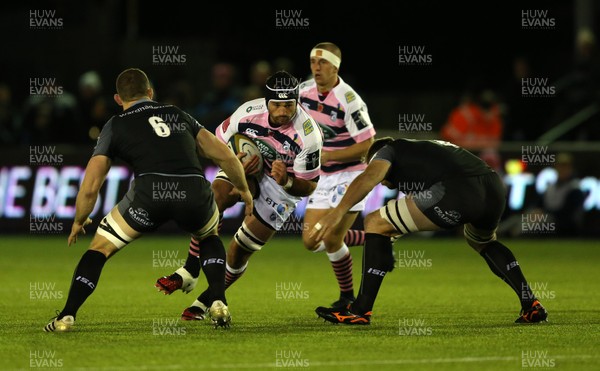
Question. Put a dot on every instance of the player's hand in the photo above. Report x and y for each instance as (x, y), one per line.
(247, 198)
(279, 172)
(76, 229)
(324, 157)
(250, 166)
(325, 225)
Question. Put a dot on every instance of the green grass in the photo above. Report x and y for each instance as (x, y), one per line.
(465, 313)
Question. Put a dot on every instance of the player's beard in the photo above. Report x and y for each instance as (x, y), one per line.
(282, 120)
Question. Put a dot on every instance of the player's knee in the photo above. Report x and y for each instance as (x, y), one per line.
(333, 242)
(221, 191)
(204, 236)
(310, 244)
(478, 239)
(104, 247)
(373, 223)
(475, 245)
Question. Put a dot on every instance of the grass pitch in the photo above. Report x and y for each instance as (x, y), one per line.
(441, 308)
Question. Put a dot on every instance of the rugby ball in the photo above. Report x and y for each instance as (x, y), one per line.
(243, 143)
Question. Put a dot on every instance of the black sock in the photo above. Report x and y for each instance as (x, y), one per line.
(212, 257)
(347, 294)
(378, 259)
(84, 281)
(192, 263)
(503, 264)
(205, 298)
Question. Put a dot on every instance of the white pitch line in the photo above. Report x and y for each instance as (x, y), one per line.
(332, 363)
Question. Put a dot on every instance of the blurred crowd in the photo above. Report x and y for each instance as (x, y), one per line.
(482, 119)
(63, 117)
(520, 112)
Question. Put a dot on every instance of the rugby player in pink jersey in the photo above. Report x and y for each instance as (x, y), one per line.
(348, 133)
(290, 143)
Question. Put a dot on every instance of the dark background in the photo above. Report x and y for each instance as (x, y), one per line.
(469, 43)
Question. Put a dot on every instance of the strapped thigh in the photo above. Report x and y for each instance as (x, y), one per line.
(110, 229)
(247, 240)
(210, 227)
(397, 214)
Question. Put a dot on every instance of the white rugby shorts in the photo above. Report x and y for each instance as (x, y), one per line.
(273, 205)
(331, 189)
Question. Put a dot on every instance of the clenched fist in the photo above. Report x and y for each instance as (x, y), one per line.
(279, 172)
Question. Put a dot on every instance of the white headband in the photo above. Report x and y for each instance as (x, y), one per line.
(327, 55)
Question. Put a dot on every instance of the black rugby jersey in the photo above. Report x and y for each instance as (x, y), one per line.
(152, 138)
(427, 162)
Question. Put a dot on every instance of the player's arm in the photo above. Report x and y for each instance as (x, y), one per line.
(363, 184)
(294, 186)
(358, 190)
(359, 126)
(302, 187)
(95, 174)
(356, 152)
(212, 148)
(306, 170)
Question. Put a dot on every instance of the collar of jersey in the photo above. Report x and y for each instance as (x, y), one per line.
(142, 100)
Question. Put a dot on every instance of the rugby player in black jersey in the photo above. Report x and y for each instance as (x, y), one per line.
(446, 186)
(162, 145)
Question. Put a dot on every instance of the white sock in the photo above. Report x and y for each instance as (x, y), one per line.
(320, 248)
(338, 255)
(199, 304)
(236, 271)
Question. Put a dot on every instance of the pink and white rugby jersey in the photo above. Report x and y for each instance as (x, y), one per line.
(343, 118)
(298, 144)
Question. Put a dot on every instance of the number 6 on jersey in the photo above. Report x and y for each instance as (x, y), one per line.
(160, 128)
